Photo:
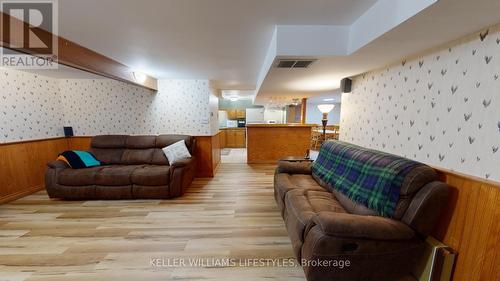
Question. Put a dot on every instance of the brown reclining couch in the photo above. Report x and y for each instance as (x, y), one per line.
(325, 225)
(134, 167)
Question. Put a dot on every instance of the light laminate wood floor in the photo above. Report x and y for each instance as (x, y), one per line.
(235, 156)
(230, 218)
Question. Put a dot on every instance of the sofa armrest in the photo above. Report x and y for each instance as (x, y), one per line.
(181, 163)
(181, 175)
(58, 164)
(289, 167)
(368, 227)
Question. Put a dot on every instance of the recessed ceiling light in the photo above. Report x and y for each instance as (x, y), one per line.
(328, 99)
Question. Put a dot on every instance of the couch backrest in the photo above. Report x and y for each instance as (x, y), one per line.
(131, 150)
(413, 181)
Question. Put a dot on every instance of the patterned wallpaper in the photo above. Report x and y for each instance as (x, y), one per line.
(29, 106)
(442, 108)
(34, 107)
(102, 106)
(108, 106)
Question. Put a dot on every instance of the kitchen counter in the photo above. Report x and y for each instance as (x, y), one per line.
(233, 128)
(268, 143)
(280, 125)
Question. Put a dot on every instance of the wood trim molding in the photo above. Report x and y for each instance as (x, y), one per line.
(20, 194)
(28, 141)
(444, 173)
(303, 111)
(80, 57)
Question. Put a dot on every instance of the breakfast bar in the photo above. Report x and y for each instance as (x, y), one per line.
(268, 143)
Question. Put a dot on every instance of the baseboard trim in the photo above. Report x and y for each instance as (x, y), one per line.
(17, 195)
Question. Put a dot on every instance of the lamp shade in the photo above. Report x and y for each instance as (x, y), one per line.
(326, 108)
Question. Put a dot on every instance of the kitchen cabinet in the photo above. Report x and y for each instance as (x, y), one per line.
(240, 138)
(233, 114)
(235, 138)
(241, 113)
(222, 139)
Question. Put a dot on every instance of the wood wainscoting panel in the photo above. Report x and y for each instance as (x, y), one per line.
(471, 226)
(216, 152)
(79, 143)
(23, 164)
(207, 155)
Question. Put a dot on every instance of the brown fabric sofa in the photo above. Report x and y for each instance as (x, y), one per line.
(134, 167)
(326, 226)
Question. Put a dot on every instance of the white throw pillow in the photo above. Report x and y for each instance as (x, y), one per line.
(313, 155)
(176, 152)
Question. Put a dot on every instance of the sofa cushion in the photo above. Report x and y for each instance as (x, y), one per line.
(108, 156)
(412, 183)
(137, 156)
(301, 206)
(159, 157)
(78, 177)
(151, 175)
(283, 183)
(115, 175)
(353, 207)
(140, 142)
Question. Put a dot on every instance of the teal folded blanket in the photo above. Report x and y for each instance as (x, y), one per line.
(79, 159)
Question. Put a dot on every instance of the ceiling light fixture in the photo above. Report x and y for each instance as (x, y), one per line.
(140, 77)
(328, 99)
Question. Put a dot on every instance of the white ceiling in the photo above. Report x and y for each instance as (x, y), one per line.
(221, 40)
(440, 23)
(229, 41)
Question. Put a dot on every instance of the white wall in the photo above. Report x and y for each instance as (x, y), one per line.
(275, 115)
(314, 116)
(441, 108)
(213, 106)
(34, 107)
(255, 115)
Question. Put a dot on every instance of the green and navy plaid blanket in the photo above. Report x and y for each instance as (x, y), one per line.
(369, 177)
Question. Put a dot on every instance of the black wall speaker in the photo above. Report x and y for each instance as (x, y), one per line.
(346, 85)
(68, 131)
